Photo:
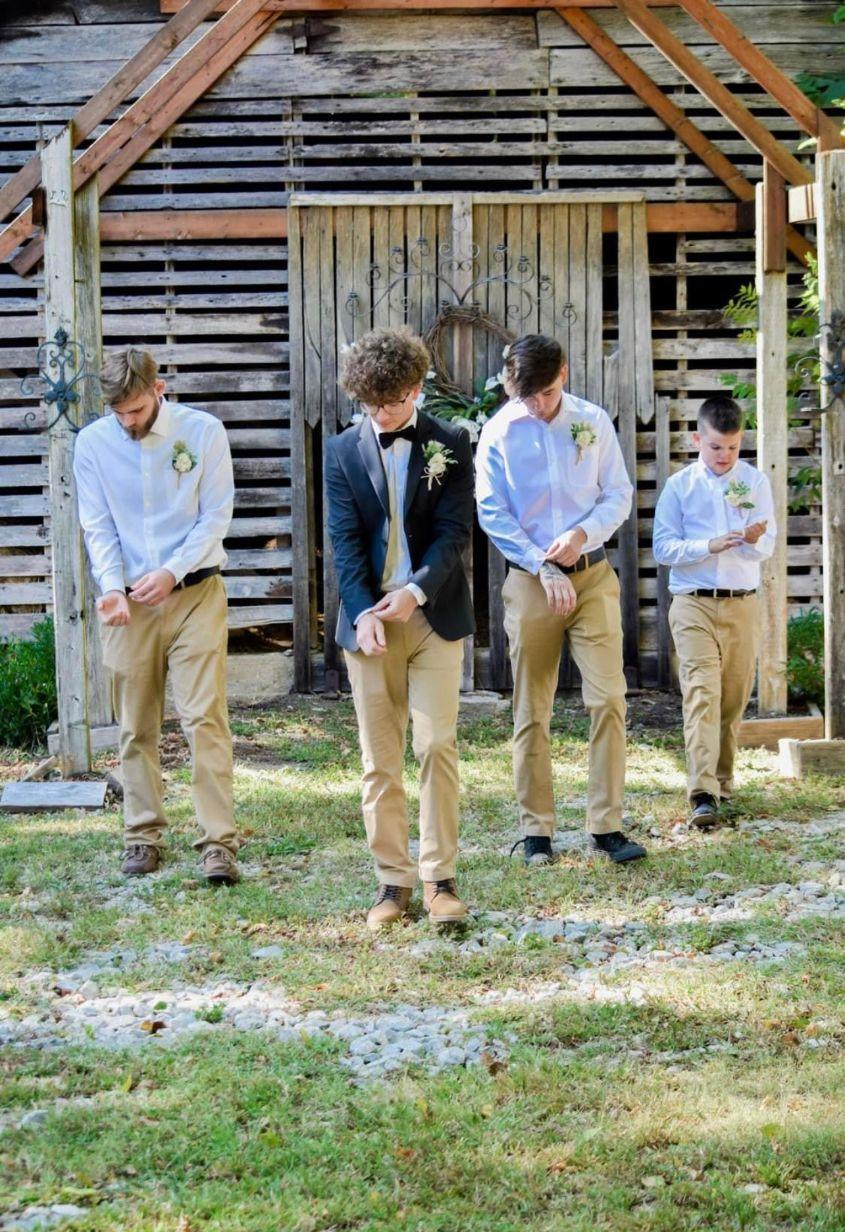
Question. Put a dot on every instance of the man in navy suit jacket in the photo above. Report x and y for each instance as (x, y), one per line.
(400, 505)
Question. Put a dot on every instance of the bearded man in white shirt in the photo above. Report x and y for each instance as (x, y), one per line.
(155, 488)
(551, 489)
(713, 525)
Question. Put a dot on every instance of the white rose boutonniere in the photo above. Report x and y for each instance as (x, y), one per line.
(583, 436)
(182, 460)
(437, 459)
(737, 494)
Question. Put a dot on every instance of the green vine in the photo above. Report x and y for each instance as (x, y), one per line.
(459, 408)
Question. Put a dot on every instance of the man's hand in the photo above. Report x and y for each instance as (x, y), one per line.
(397, 605)
(153, 588)
(113, 608)
(733, 539)
(370, 633)
(754, 531)
(559, 590)
(566, 549)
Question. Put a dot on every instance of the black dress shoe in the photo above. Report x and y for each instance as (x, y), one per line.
(616, 847)
(537, 849)
(705, 811)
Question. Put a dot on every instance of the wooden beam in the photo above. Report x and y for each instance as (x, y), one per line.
(368, 6)
(141, 125)
(101, 105)
(818, 756)
(89, 317)
(693, 138)
(133, 225)
(67, 556)
(772, 432)
(831, 225)
(688, 64)
(802, 203)
(767, 74)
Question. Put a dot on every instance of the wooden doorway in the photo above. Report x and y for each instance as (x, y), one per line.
(534, 262)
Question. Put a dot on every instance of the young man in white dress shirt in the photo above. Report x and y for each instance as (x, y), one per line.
(713, 525)
(551, 489)
(155, 487)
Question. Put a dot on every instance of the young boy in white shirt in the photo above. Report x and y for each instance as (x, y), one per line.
(713, 525)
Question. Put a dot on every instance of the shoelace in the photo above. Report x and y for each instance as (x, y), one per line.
(447, 887)
(391, 892)
(136, 850)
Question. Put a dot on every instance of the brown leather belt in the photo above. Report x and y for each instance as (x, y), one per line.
(722, 594)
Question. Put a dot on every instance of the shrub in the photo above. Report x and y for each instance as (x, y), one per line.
(28, 687)
(805, 656)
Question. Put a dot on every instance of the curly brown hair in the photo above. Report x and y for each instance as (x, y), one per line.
(384, 365)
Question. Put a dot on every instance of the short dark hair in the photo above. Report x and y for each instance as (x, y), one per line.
(532, 363)
(721, 413)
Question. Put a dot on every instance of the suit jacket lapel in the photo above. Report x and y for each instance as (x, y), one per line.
(368, 447)
(416, 463)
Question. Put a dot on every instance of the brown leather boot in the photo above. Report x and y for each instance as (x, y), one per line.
(440, 899)
(390, 905)
(219, 866)
(140, 858)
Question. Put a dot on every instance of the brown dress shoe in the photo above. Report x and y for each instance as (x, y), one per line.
(219, 866)
(140, 858)
(390, 905)
(440, 899)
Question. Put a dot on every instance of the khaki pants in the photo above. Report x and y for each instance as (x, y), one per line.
(421, 672)
(535, 635)
(716, 644)
(187, 636)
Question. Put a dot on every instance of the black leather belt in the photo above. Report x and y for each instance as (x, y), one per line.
(191, 579)
(722, 594)
(583, 562)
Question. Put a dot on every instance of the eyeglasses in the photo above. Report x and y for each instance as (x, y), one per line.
(386, 406)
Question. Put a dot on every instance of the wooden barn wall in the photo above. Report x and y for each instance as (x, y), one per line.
(377, 102)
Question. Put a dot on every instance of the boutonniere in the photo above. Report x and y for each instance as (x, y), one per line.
(583, 436)
(737, 493)
(437, 459)
(182, 460)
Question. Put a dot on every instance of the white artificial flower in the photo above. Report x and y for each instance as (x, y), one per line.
(472, 426)
(182, 463)
(492, 382)
(437, 465)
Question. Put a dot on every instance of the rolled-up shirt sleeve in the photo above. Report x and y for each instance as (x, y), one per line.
(614, 504)
(101, 538)
(216, 502)
(669, 545)
(494, 512)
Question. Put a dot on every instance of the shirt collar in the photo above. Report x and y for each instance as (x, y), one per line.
(409, 423)
(161, 427)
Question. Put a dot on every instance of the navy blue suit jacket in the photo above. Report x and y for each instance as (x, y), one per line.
(438, 525)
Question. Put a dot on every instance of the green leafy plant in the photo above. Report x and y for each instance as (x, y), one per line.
(28, 702)
(470, 413)
(805, 656)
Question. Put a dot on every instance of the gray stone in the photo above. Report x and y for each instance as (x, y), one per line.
(268, 951)
(36, 1117)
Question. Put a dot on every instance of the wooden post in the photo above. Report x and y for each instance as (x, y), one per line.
(86, 240)
(772, 431)
(461, 277)
(68, 558)
(831, 230)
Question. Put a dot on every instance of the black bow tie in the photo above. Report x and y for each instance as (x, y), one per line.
(386, 439)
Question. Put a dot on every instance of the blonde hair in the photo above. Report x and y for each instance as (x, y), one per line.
(127, 372)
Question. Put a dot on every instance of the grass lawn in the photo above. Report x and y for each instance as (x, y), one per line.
(686, 1091)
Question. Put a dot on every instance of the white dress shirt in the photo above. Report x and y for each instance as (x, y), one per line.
(137, 512)
(531, 486)
(693, 509)
(397, 562)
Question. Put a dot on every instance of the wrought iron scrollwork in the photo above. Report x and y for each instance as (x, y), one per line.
(529, 288)
(61, 368)
(828, 370)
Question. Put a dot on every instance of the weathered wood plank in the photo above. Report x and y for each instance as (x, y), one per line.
(630, 359)
(300, 477)
(831, 227)
(49, 797)
(797, 757)
(772, 432)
